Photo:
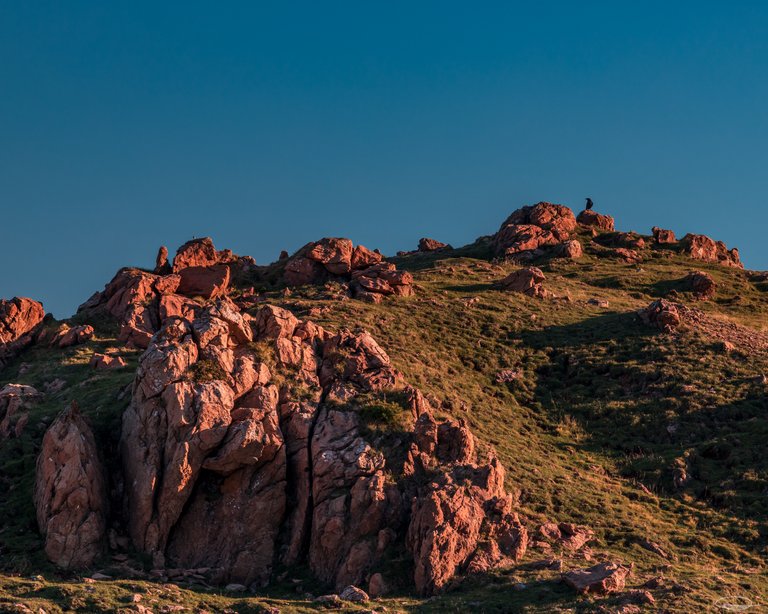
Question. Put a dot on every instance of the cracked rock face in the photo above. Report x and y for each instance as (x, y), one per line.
(248, 441)
(19, 318)
(70, 492)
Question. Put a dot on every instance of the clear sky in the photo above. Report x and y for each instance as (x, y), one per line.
(127, 125)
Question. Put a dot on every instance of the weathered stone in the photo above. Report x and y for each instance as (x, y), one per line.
(701, 247)
(71, 493)
(599, 579)
(596, 220)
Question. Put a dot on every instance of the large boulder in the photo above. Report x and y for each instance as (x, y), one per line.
(194, 253)
(247, 442)
(19, 319)
(528, 281)
(432, 245)
(701, 284)
(600, 579)
(662, 314)
(533, 228)
(701, 247)
(204, 281)
(662, 236)
(70, 492)
(593, 219)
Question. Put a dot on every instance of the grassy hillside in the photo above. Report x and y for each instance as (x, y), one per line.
(601, 416)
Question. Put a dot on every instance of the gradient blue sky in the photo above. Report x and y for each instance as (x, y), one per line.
(127, 125)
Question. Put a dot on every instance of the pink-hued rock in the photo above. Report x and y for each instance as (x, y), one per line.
(528, 281)
(596, 220)
(369, 277)
(519, 238)
(70, 492)
(662, 314)
(600, 579)
(204, 281)
(662, 236)
(333, 253)
(432, 245)
(701, 284)
(701, 247)
(195, 253)
(362, 258)
(106, 361)
(162, 267)
(570, 249)
(73, 336)
(229, 466)
(20, 318)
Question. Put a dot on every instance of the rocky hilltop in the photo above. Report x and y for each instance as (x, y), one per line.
(225, 425)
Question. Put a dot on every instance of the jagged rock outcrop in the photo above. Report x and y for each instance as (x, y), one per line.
(19, 318)
(598, 221)
(662, 236)
(141, 301)
(532, 228)
(701, 247)
(70, 492)
(432, 245)
(369, 277)
(162, 266)
(528, 281)
(246, 442)
(701, 284)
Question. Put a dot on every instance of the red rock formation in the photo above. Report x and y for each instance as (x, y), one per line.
(519, 238)
(229, 464)
(105, 361)
(205, 281)
(570, 249)
(532, 228)
(662, 236)
(70, 492)
(362, 258)
(596, 220)
(162, 267)
(381, 279)
(369, 277)
(599, 579)
(661, 313)
(701, 284)
(701, 247)
(194, 253)
(19, 318)
(67, 337)
(528, 281)
(431, 245)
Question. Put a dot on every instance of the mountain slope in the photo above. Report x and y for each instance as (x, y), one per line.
(652, 439)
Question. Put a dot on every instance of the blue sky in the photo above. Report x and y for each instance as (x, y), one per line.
(127, 125)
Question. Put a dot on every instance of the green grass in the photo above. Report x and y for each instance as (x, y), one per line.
(591, 431)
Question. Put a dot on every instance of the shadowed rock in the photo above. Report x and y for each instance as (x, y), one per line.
(70, 492)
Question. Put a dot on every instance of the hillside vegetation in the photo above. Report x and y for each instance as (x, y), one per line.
(599, 419)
